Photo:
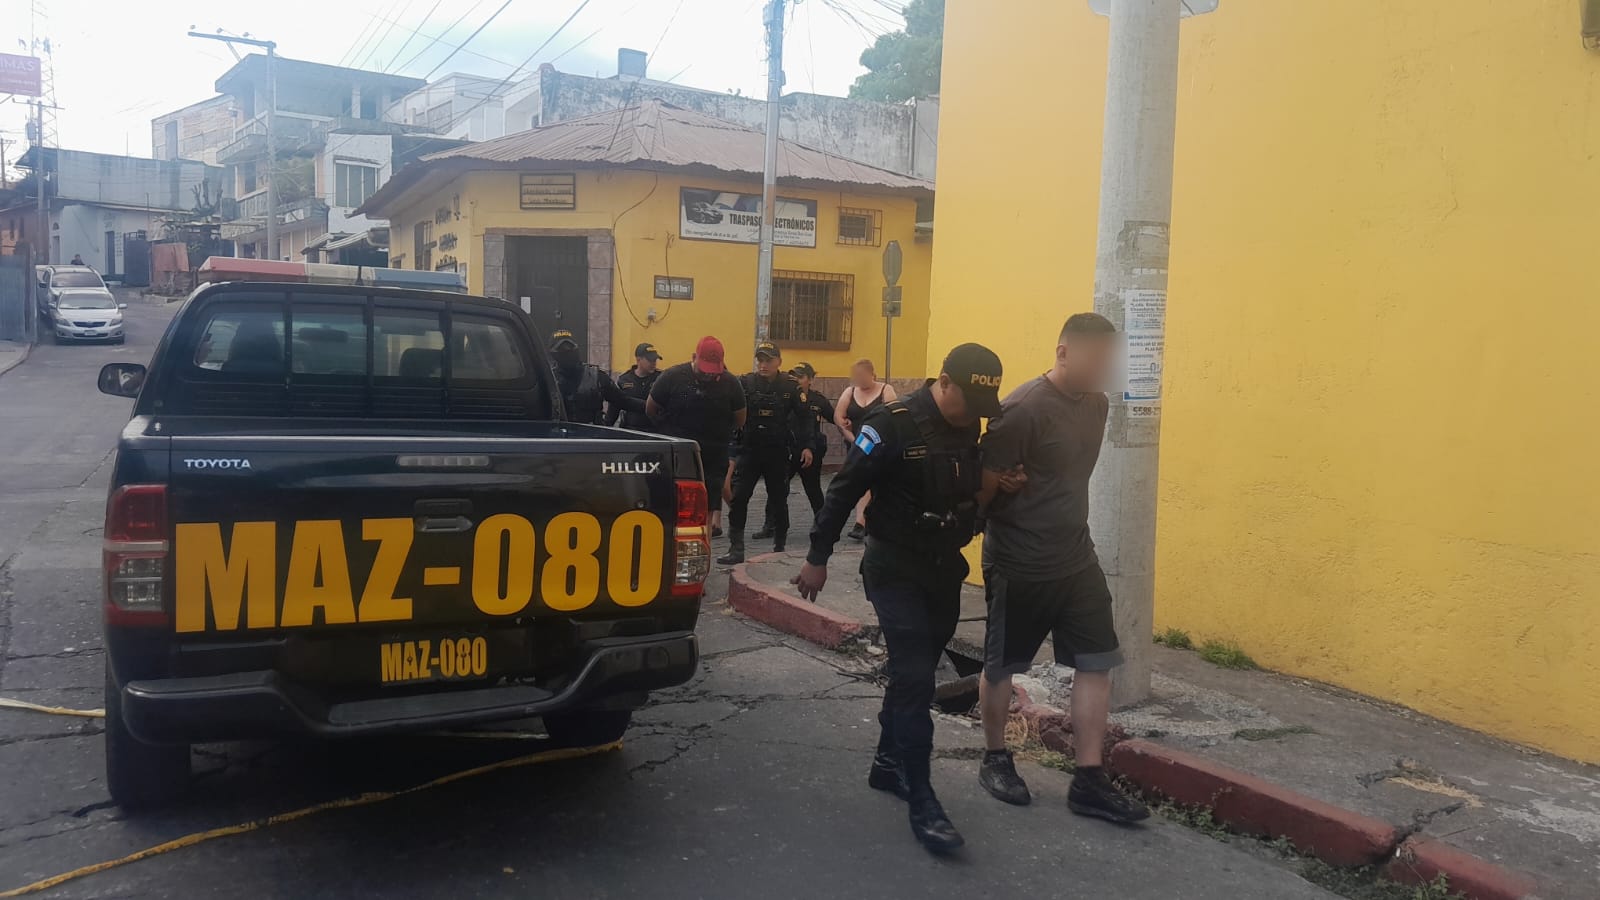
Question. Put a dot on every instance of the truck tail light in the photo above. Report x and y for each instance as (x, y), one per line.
(692, 543)
(135, 555)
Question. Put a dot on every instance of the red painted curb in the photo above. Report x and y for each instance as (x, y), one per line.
(1250, 805)
(764, 603)
(1422, 859)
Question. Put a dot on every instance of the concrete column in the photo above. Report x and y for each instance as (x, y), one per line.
(355, 102)
(1130, 290)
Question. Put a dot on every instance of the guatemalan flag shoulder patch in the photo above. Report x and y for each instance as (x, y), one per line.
(868, 440)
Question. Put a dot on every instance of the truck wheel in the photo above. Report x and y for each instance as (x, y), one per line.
(588, 728)
(140, 775)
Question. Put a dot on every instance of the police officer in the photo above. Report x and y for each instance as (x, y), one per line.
(635, 385)
(772, 399)
(919, 458)
(585, 389)
(815, 406)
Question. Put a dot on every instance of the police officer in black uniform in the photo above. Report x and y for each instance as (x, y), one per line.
(635, 385)
(772, 401)
(919, 458)
(585, 389)
(816, 407)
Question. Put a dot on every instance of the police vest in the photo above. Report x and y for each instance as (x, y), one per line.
(767, 404)
(933, 504)
(585, 403)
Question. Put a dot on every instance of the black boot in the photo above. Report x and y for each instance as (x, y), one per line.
(735, 554)
(763, 534)
(929, 823)
(857, 533)
(888, 775)
(779, 539)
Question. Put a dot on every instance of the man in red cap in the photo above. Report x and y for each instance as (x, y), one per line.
(700, 400)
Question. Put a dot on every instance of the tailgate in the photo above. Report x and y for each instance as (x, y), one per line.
(311, 535)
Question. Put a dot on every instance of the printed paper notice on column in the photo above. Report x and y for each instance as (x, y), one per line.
(1144, 324)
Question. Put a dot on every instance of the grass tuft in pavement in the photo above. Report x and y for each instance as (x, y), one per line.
(1176, 638)
(1227, 655)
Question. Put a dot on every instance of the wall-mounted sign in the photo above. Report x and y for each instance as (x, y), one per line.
(447, 264)
(709, 215)
(20, 75)
(672, 287)
(447, 241)
(550, 191)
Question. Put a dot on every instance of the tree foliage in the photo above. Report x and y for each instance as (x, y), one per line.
(905, 64)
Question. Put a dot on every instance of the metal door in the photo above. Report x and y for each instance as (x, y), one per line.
(553, 273)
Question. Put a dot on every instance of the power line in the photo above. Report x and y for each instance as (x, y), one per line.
(634, 85)
(434, 41)
(378, 44)
(492, 17)
(507, 80)
(414, 32)
(361, 40)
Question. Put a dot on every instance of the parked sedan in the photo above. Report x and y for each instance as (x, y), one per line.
(87, 316)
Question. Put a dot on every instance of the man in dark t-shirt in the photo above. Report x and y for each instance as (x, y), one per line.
(1039, 567)
(702, 401)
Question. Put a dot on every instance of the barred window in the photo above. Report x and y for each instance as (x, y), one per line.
(423, 251)
(862, 227)
(812, 309)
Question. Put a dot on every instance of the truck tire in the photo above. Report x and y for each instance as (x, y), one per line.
(588, 728)
(139, 775)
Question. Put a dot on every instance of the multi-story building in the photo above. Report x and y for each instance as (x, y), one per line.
(332, 150)
(197, 131)
(101, 205)
(899, 137)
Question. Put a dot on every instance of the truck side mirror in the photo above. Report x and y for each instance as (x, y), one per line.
(122, 379)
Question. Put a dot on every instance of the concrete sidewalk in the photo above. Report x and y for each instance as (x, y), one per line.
(1395, 774)
(13, 354)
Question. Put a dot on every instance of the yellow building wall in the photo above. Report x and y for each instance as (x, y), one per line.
(1378, 458)
(641, 210)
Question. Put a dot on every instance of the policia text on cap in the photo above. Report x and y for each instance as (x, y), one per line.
(919, 458)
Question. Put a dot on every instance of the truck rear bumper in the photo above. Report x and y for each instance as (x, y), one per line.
(260, 704)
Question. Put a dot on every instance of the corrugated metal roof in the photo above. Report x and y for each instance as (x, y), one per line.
(651, 135)
(667, 135)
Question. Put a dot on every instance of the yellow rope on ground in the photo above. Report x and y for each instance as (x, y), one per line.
(201, 837)
(8, 703)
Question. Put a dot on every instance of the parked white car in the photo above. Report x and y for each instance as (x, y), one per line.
(79, 306)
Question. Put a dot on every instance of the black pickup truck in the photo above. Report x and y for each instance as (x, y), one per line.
(342, 510)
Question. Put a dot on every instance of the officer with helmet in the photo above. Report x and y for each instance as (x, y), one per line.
(585, 389)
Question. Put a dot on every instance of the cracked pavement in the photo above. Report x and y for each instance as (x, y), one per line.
(748, 781)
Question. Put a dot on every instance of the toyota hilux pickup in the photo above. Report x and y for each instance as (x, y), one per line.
(343, 510)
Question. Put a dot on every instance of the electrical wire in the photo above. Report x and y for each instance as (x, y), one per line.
(361, 39)
(378, 44)
(634, 86)
(435, 41)
(413, 33)
(507, 80)
(474, 34)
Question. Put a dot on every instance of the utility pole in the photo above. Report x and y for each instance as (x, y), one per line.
(769, 172)
(1131, 290)
(42, 236)
(272, 110)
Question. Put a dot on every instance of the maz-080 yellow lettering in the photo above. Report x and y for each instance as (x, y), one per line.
(237, 580)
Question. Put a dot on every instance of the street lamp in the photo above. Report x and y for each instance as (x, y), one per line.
(272, 107)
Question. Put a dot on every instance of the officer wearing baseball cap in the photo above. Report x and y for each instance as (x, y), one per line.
(635, 385)
(776, 423)
(919, 458)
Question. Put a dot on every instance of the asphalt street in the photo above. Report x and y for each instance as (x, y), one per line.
(747, 782)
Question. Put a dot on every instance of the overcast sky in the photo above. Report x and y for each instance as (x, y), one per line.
(118, 64)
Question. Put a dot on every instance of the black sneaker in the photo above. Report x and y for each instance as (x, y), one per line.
(1093, 794)
(931, 826)
(733, 557)
(889, 775)
(999, 777)
(857, 533)
(762, 535)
